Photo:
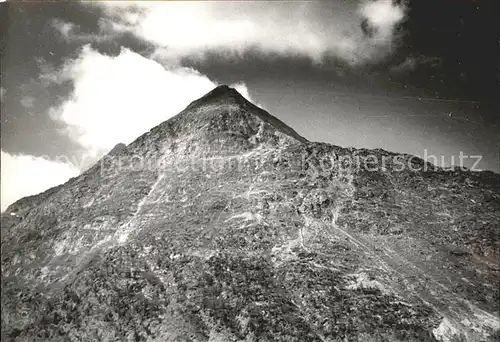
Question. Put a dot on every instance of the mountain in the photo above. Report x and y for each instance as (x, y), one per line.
(224, 224)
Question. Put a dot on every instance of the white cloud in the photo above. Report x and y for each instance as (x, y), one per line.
(28, 101)
(190, 29)
(412, 63)
(23, 175)
(65, 28)
(383, 16)
(242, 88)
(116, 99)
(71, 32)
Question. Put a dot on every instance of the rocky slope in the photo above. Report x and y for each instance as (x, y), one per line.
(224, 224)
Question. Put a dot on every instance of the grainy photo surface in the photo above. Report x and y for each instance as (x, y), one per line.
(250, 171)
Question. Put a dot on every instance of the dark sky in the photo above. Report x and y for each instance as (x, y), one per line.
(434, 86)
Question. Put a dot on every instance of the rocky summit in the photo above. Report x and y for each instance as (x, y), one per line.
(224, 224)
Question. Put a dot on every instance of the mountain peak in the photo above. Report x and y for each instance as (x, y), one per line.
(223, 93)
(117, 149)
(228, 100)
(222, 90)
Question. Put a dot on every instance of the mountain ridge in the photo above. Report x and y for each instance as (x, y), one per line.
(221, 91)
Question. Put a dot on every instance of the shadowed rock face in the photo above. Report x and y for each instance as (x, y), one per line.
(223, 224)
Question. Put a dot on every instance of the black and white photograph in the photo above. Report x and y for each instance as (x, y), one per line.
(250, 171)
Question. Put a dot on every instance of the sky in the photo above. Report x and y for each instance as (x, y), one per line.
(77, 78)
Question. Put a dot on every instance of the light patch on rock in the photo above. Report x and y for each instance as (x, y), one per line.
(484, 323)
(363, 281)
(243, 322)
(246, 216)
(203, 253)
(145, 251)
(68, 245)
(445, 332)
(219, 336)
(259, 135)
(88, 203)
(124, 231)
(102, 223)
(44, 272)
(146, 291)
(284, 253)
(59, 247)
(123, 236)
(251, 192)
(174, 256)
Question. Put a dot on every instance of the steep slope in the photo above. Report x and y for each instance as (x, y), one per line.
(224, 224)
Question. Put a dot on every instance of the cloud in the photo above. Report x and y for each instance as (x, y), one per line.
(313, 29)
(380, 20)
(66, 29)
(382, 16)
(411, 63)
(24, 175)
(28, 101)
(242, 88)
(116, 99)
(71, 32)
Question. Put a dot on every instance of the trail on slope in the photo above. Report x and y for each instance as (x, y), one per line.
(122, 233)
(120, 236)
